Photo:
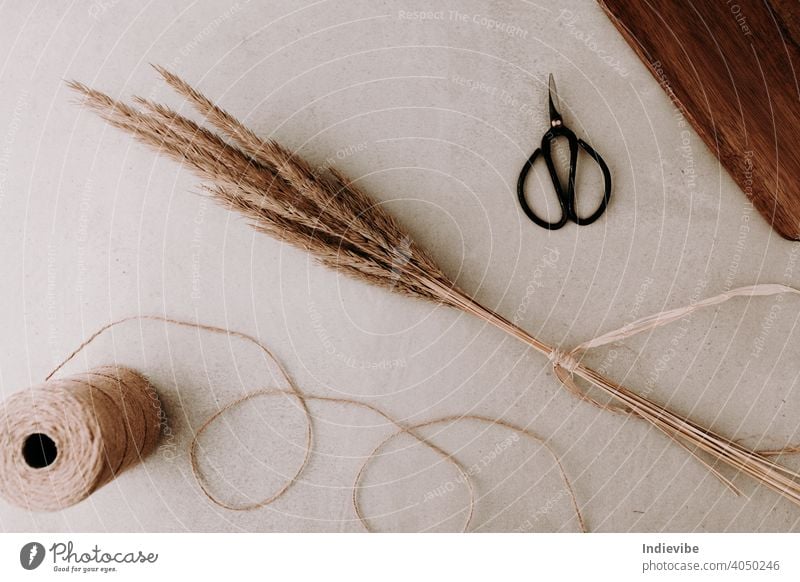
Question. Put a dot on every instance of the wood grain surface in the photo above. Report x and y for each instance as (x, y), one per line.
(731, 66)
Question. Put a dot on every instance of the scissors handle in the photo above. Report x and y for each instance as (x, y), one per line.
(566, 199)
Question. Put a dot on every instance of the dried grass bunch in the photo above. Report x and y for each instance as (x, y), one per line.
(328, 216)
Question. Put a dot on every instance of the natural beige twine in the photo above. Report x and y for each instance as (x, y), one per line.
(101, 422)
(564, 363)
(302, 399)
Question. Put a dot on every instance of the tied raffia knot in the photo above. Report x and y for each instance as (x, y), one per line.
(564, 360)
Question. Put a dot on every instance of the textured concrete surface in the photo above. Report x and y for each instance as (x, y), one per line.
(434, 113)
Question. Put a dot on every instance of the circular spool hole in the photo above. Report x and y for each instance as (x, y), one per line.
(39, 450)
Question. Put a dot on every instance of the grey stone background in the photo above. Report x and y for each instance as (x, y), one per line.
(433, 114)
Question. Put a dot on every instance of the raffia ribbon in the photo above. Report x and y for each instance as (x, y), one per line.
(564, 365)
(565, 362)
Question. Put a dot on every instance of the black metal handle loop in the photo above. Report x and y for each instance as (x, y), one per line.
(566, 198)
(606, 188)
(523, 175)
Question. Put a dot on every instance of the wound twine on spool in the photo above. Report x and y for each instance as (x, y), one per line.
(64, 439)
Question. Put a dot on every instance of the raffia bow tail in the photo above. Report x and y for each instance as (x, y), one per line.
(676, 427)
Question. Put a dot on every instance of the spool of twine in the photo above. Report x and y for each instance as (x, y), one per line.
(124, 418)
(64, 439)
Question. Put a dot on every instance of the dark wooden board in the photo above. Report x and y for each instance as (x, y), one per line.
(732, 67)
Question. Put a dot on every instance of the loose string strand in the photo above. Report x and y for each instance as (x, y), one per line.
(295, 392)
(566, 365)
(753, 463)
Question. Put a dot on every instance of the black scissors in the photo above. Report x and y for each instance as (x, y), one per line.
(565, 199)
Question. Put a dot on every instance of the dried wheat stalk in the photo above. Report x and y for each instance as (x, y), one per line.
(282, 196)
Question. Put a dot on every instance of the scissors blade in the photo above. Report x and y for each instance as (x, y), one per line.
(555, 116)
